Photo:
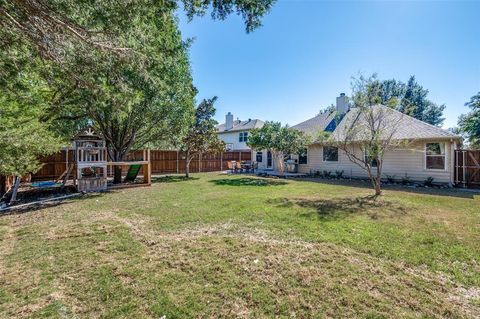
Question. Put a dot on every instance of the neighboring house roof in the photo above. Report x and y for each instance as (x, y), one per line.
(241, 126)
(400, 125)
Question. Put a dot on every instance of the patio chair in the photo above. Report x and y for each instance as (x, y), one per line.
(237, 167)
(231, 166)
(247, 166)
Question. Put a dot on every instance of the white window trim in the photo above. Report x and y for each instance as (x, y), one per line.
(308, 160)
(243, 137)
(338, 156)
(445, 169)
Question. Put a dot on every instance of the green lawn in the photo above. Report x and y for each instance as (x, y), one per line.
(238, 246)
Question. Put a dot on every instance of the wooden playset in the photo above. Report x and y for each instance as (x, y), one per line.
(91, 163)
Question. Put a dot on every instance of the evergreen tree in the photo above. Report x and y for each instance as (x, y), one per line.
(24, 137)
(121, 64)
(25, 132)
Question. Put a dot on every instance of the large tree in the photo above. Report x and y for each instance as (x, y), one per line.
(121, 64)
(131, 98)
(201, 134)
(281, 141)
(409, 98)
(469, 124)
(149, 98)
(56, 27)
(25, 95)
(24, 137)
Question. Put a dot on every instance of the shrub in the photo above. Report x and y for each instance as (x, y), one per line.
(339, 174)
(406, 180)
(390, 179)
(429, 181)
(327, 174)
(317, 174)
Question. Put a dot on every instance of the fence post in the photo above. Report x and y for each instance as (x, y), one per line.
(200, 162)
(177, 162)
(148, 173)
(221, 161)
(240, 156)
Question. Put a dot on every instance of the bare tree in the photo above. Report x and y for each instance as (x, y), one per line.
(365, 134)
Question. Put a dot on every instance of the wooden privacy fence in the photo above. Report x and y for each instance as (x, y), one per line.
(162, 162)
(54, 165)
(467, 168)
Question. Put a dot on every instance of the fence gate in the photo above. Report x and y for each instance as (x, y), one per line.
(467, 168)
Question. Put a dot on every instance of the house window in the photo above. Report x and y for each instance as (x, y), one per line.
(435, 156)
(259, 157)
(303, 157)
(371, 160)
(229, 146)
(243, 137)
(330, 154)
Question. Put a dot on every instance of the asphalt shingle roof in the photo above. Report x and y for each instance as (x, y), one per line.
(315, 124)
(241, 125)
(400, 125)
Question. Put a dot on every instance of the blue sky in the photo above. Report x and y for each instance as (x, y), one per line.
(306, 52)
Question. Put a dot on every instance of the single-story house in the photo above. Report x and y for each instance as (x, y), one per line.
(429, 152)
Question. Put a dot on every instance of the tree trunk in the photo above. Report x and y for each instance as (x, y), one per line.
(117, 156)
(187, 169)
(117, 174)
(378, 189)
(376, 180)
(187, 164)
(280, 163)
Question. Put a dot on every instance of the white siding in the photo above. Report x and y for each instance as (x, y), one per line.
(233, 138)
(410, 161)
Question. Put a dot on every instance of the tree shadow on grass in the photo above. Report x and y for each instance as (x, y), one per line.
(365, 184)
(247, 181)
(339, 208)
(173, 179)
(33, 206)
